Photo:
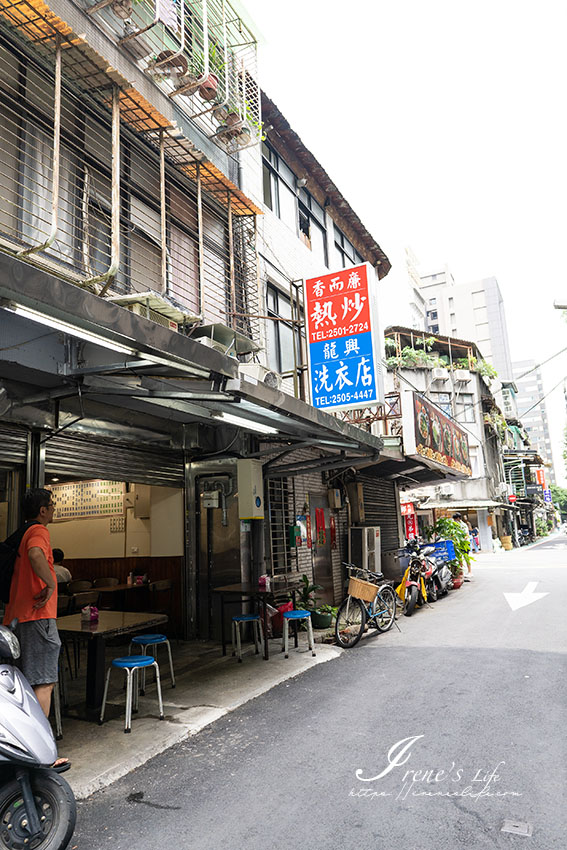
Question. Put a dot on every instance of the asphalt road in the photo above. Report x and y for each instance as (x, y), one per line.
(425, 739)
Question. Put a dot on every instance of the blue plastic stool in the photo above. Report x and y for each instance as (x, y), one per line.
(236, 635)
(131, 664)
(296, 616)
(145, 641)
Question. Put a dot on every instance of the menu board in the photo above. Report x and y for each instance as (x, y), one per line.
(439, 438)
(86, 499)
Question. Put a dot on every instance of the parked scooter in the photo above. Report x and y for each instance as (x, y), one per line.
(440, 580)
(413, 582)
(37, 806)
(525, 536)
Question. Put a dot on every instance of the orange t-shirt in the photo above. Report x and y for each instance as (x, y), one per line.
(26, 584)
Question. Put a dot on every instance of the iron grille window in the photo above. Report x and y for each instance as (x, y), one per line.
(283, 335)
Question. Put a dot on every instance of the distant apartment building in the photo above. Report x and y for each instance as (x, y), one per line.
(401, 301)
(532, 411)
(473, 311)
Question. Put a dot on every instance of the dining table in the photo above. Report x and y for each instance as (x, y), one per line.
(109, 624)
(244, 592)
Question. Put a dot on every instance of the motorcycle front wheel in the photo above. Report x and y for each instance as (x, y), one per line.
(411, 600)
(56, 810)
(349, 624)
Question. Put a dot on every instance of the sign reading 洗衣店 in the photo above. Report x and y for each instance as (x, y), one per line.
(343, 355)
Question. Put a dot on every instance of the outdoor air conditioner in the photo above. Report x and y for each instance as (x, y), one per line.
(365, 547)
(211, 343)
(504, 488)
(462, 376)
(141, 310)
(446, 489)
(440, 374)
(259, 374)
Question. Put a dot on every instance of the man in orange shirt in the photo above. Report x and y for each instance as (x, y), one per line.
(33, 599)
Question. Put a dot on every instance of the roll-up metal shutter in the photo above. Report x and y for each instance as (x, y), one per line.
(13, 444)
(86, 458)
(381, 508)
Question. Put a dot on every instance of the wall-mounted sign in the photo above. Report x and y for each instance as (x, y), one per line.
(540, 477)
(547, 497)
(433, 436)
(533, 489)
(411, 526)
(340, 317)
(512, 498)
(407, 508)
(88, 499)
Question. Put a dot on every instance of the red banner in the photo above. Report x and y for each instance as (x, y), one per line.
(411, 526)
(407, 508)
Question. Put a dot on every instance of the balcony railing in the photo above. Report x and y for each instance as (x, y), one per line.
(200, 53)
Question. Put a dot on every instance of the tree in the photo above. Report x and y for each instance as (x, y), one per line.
(559, 496)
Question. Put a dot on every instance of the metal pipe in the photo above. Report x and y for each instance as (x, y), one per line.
(163, 211)
(56, 158)
(201, 242)
(108, 276)
(232, 323)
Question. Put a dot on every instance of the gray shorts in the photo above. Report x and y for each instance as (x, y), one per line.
(40, 645)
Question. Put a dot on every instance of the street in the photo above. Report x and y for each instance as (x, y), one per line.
(435, 736)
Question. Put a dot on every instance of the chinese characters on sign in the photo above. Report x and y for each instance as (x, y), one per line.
(338, 315)
(438, 438)
(81, 499)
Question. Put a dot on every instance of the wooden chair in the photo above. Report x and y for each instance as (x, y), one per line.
(161, 595)
(79, 600)
(105, 582)
(79, 586)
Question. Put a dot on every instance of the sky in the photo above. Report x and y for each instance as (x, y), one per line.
(443, 124)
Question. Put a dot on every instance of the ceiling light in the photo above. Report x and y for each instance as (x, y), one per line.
(246, 423)
(58, 325)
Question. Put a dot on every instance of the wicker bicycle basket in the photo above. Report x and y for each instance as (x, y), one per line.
(364, 590)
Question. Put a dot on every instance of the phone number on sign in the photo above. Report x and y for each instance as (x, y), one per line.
(344, 398)
(342, 330)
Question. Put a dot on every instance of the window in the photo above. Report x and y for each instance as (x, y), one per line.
(279, 187)
(282, 335)
(433, 302)
(443, 400)
(432, 316)
(312, 225)
(345, 252)
(464, 408)
(434, 329)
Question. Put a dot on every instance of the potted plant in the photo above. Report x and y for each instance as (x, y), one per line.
(322, 616)
(457, 573)
(446, 528)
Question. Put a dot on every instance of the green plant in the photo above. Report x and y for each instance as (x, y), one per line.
(327, 609)
(446, 528)
(464, 363)
(541, 526)
(390, 345)
(305, 594)
(486, 369)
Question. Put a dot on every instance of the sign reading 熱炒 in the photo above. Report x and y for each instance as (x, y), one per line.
(343, 355)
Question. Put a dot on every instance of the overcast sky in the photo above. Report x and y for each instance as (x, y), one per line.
(443, 124)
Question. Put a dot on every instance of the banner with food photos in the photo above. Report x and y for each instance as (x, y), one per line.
(439, 438)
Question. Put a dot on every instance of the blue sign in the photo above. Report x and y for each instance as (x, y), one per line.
(547, 496)
(342, 356)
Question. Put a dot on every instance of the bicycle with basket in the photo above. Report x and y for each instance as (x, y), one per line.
(370, 601)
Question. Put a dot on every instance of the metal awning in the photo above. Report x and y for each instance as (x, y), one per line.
(471, 504)
(136, 371)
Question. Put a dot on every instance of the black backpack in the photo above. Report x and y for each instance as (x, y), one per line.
(8, 554)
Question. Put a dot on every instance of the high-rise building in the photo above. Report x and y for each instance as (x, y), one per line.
(472, 311)
(532, 411)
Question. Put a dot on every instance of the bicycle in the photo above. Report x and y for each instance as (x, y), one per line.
(368, 602)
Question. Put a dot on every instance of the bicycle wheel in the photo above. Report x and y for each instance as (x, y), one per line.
(349, 624)
(385, 606)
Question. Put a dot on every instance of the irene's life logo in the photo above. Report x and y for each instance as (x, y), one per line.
(438, 781)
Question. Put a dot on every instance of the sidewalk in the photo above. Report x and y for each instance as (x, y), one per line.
(208, 687)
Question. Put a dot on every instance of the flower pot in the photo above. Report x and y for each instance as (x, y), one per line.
(320, 620)
(457, 581)
(233, 123)
(208, 89)
(220, 113)
(506, 541)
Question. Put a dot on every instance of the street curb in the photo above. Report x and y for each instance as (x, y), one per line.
(182, 724)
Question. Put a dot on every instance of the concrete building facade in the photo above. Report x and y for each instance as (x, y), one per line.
(532, 411)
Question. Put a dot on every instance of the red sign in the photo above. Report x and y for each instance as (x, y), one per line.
(540, 477)
(407, 508)
(309, 537)
(512, 498)
(411, 526)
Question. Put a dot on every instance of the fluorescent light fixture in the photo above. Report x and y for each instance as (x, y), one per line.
(246, 423)
(58, 325)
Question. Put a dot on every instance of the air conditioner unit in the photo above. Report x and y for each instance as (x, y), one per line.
(462, 376)
(504, 488)
(259, 374)
(365, 547)
(446, 490)
(153, 315)
(211, 343)
(440, 374)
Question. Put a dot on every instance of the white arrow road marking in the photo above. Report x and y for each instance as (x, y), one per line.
(526, 597)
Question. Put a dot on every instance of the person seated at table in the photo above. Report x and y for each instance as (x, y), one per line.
(61, 573)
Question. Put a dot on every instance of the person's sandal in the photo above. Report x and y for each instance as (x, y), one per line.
(61, 765)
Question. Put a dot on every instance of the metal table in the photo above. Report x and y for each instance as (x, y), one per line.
(110, 624)
(243, 593)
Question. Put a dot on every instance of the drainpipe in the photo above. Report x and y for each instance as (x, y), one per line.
(201, 241)
(163, 219)
(232, 323)
(108, 276)
(56, 158)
